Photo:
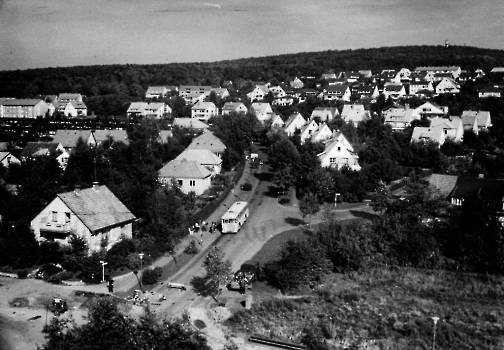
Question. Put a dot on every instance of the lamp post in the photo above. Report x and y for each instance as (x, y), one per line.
(141, 255)
(435, 319)
(103, 263)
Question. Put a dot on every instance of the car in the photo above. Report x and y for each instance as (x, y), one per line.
(47, 270)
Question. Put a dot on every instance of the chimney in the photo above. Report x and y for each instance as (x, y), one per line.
(96, 186)
(77, 190)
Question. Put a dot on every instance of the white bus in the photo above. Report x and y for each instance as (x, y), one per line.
(235, 217)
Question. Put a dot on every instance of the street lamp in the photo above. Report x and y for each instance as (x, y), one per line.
(435, 319)
(103, 263)
(141, 255)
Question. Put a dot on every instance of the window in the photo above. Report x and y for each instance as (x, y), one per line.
(192, 182)
(54, 216)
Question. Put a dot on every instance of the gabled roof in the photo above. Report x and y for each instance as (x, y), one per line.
(201, 155)
(21, 102)
(98, 208)
(424, 133)
(69, 97)
(68, 138)
(190, 123)
(115, 135)
(203, 105)
(184, 169)
(443, 183)
(32, 148)
(209, 141)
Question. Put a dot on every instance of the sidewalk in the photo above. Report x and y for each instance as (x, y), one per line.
(204, 239)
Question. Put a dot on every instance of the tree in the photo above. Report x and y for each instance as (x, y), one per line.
(217, 270)
(308, 206)
(380, 200)
(109, 328)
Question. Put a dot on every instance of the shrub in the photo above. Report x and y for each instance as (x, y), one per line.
(247, 186)
(284, 200)
(191, 249)
(22, 274)
(150, 276)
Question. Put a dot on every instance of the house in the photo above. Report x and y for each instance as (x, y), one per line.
(308, 130)
(111, 137)
(294, 123)
(447, 86)
(262, 111)
(67, 97)
(354, 114)
(428, 134)
(394, 91)
(190, 123)
(489, 91)
(23, 108)
(204, 157)
(259, 92)
(33, 150)
(156, 92)
(189, 176)
(208, 141)
(323, 133)
(457, 188)
(64, 108)
(476, 120)
(6, 159)
(277, 122)
(69, 138)
(236, 107)
(367, 92)
(339, 153)
(325, 114)
(136, 109)
(399, 117)
(95, 214)
(203, 111)
(452, 127)
(337, 92)
(454, 70)
(296, 83)
(431, 110)
(155, 110)
(283, 101)
(418, 85)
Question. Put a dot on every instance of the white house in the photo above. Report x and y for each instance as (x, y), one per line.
(294, 123)
(203, 111)
(189, 176)
(262, 111)
(94, 214)
(339, 153)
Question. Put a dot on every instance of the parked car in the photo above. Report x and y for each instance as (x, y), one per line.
(47, 270)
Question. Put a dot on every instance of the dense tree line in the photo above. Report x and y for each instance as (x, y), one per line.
(110, 88)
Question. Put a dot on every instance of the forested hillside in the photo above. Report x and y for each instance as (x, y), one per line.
(110, 88)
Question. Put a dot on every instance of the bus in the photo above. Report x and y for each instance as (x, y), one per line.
(235, 217)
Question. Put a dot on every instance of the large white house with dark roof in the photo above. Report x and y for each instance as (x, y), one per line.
(94, 214)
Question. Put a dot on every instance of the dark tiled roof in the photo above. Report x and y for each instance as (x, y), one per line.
(97, 208)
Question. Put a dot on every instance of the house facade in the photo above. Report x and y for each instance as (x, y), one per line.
(94, 214)
(189, 176)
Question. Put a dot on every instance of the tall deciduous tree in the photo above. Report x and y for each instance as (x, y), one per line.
(309, 206)
(217, 269)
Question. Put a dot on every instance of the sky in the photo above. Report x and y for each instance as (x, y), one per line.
(56, 33)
